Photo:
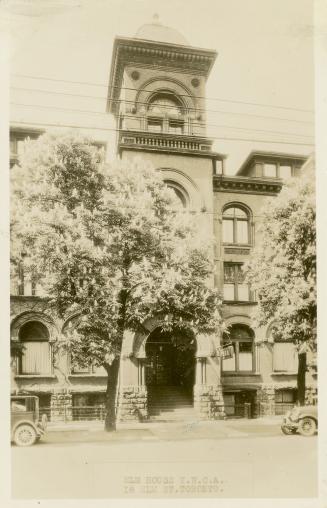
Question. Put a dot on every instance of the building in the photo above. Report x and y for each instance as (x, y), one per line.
(156, 93)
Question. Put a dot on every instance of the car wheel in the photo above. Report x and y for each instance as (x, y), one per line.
(25, 435)
(307, 426)
(287, 430)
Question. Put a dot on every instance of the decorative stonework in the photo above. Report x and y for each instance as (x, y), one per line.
(245, 185)
(61, 407)
(209, 402)
(132, 404)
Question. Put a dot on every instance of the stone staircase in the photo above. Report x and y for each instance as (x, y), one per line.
(170, 403)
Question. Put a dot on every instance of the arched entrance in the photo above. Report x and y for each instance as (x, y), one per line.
(170, 372)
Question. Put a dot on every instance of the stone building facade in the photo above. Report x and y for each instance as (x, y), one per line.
(157, 95)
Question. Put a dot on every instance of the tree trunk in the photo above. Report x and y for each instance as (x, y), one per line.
(301, 378)
(112, 371)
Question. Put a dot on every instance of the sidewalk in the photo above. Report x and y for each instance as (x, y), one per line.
(190, 426)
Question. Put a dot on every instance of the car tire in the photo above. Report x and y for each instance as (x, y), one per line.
(307, 426)
(25, 435)
(287, 430)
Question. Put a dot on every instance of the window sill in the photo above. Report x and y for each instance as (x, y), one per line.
(87, 375)
(238, 245)
(284, 373)
(241, 373)
(239, 302)
(30, 376)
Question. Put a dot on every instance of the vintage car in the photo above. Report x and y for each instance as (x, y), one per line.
(26, 425)
(302, 419)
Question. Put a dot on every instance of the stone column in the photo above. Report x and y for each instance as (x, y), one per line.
(132, 399)
(266, 400)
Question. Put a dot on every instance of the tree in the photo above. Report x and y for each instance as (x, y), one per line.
(111, 243)
(282, 269)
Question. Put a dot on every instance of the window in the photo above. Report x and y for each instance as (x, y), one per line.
(277, 170)
(285, 396)
(36, 357)
(235, 225)
(165, 114)
(270, 170)
(155, 125)
(285, 171)
(175, 126)
(235, 289)
(17, 143)
(284, 357)
(243, 359)
(90, 369)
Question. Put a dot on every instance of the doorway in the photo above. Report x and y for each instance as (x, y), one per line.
(170, 370)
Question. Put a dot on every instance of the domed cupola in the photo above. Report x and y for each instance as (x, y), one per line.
(158, 32)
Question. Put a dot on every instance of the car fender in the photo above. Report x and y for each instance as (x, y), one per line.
(309, 416)
(24, 422)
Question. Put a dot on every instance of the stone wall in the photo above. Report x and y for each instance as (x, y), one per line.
(266, 400)
(209, 402)
(132, 404)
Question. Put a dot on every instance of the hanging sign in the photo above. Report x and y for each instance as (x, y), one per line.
(227, 351)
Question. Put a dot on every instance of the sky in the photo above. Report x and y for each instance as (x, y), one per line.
(260, 89)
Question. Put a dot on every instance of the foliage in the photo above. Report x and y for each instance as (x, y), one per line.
(109, 243)
(282, 269)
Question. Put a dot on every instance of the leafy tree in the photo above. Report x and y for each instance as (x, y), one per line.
(282, 269)
(111, 243)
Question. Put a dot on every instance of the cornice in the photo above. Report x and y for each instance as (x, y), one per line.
(153, 53)
(245, 185)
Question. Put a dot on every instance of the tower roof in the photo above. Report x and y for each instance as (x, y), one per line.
(155, 31)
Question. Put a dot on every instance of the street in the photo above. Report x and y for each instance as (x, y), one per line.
(211, 459)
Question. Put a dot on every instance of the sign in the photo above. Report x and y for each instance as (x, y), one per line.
(227, 351)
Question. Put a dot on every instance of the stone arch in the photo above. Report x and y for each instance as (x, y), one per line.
(164, 83)
(138, 342)
(238, 319)
(195, 199)
(27, 316)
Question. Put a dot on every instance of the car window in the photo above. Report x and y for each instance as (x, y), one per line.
(18, 406)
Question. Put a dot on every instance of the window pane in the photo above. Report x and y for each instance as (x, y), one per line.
(36, 358)
(230, 212)
(176, 127)
(235, 212)
(243, 292)
(240, 213)
(285, 357)
(270, 170)
(228, 235)
(229, 292)
(242, 231)
(155, 125)
(20, 146)
(285, 171)
(229, 273)
(245, 361)
(229, 363)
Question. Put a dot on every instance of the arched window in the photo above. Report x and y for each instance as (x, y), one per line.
(236, 225)
(165, 113)
(242, 339)
(36, 357)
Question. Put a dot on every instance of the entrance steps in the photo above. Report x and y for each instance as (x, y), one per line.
(170, 403)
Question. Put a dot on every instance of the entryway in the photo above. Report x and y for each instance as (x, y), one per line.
(170, 375)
